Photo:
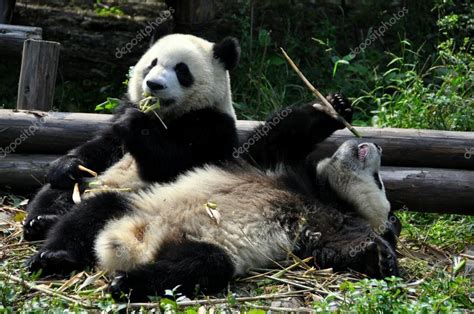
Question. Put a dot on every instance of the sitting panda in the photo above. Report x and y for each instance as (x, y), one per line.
(189, 76)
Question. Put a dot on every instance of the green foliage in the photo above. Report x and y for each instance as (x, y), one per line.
(108, 106)
(443, 293)
(452, 232)
(105, 10)
(411, 95)
(411, 85)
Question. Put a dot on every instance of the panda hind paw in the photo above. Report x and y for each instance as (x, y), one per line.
(52, 262)
(37, 227)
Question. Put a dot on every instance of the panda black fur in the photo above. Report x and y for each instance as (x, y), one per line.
(70, 242)
(190, 77)
(170, 239)
(164, 236)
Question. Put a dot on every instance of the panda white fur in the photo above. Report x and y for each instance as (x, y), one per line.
(171, 235)
(246, 227)
(190, 77)
(363, 186)
(249, 229)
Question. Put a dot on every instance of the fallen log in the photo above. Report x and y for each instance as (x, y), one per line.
(414, 189)
(24, 172)
(429, 189)
(13, 36)
(57, 132)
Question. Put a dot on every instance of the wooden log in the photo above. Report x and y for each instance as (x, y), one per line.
(13, 36)
(414, 189)
(57, 132)
(429, 189)
(39, 67)
(6, 11)
(50, 132)
(24, 172)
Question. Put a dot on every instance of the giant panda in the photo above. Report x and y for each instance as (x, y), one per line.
(243, 218)
(190, 77)
(215, 222)
(287, 137)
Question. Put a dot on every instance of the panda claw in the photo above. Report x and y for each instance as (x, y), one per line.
(37, 227)
(52, 262)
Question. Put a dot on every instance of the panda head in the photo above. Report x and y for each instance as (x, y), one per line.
(352, 173)
(353, 160)
(186, 73)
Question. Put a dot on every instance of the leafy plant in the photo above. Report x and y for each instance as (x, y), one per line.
(105, 10)
(441, 293)
(108, 106)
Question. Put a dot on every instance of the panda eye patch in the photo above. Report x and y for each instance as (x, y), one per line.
(154, 62)
(183, 74)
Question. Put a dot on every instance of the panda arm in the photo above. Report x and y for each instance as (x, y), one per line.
(290, 134)
(97, 154)
(196, 138)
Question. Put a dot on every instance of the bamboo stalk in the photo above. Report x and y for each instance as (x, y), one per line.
(225, 300)
(45, 290)
(280, 309)
(326, 106)
(89, 171)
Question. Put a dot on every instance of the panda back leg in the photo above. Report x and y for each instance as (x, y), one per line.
(69, 245)
(355, 246)
(44, 210)
(193, 266)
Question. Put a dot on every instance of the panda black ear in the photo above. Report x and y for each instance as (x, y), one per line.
(228, 52)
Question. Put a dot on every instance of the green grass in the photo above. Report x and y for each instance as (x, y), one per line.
(434, 279)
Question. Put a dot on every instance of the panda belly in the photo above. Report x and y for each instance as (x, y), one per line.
(246, 228)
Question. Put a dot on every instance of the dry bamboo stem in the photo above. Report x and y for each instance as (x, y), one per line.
(45, 290)
(89, 171)
(221, 301)
(326, 106)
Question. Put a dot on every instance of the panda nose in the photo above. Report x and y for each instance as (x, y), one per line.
(155, 86)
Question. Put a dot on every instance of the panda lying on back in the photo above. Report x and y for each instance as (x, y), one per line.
(190, 77)
(216, 222)
(170, 237)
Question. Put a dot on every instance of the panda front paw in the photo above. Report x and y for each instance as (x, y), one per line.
(64, 172)
(378, 260)
(131, 122)
(342, 105)
(53, 262)
(119, 287)
(387, 260)
(36, 228)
